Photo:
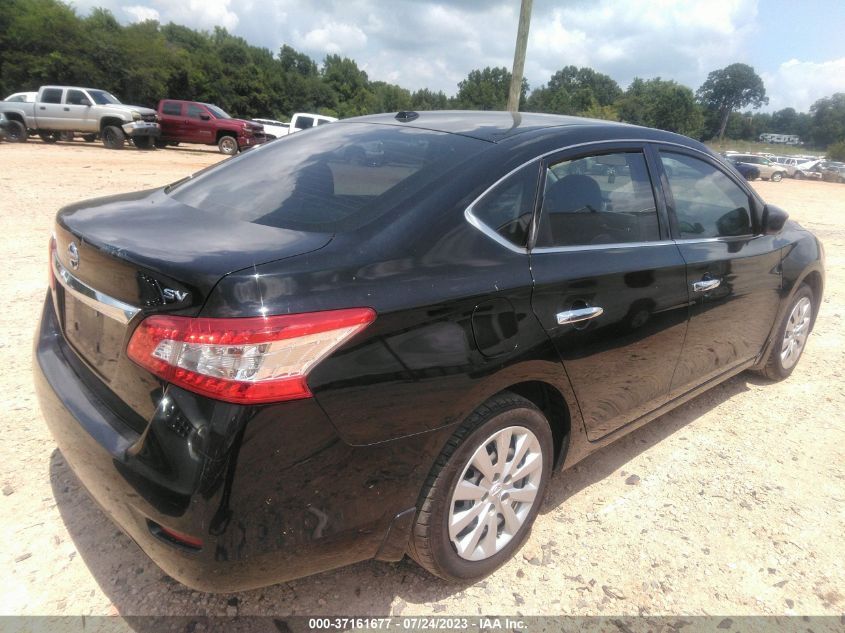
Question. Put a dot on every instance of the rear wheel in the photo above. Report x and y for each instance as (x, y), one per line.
(777, 176)
(49, 137)
(66, 136)
(484, 491)
(228, 145)
(16, 132)
(791, 337)
(113, 137)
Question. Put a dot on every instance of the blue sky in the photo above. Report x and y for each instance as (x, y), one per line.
(798, 47)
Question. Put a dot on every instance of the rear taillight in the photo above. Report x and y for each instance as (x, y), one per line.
(245, 361)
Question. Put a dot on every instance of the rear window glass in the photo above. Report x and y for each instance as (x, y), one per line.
(333, 179)
(171, 108)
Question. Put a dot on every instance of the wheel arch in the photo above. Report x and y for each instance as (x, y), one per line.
(551, 402)
(110, 120)
(222, 133)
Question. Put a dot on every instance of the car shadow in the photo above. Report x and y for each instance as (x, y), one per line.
(128, 578)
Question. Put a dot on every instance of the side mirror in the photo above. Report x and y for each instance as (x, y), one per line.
(773, 219)
(205, 117)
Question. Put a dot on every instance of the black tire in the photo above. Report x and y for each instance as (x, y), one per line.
(89, 138)
(49, 137)
(66, 136)
(228, 145)
(143, 142)
(776, 177)
(798, 176)
(430, 545)
(16, 132)
(775, 368)
(113, 137)
(160, 144)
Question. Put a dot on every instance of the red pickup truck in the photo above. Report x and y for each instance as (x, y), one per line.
(194, 122)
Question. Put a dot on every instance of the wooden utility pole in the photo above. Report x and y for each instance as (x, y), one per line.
(519, 55)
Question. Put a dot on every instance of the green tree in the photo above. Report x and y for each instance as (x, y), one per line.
(349, 84)
(828, 120)
(487, 89)
(836, 151)
(389, 97)
(662, 104)
(426, 99)
(573, 90)
(729, 89)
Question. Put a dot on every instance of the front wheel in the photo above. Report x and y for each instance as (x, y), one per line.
(484, 491)
(228, 145)
(791, 337)
(143, 142)
(777, 177)
(113, 137)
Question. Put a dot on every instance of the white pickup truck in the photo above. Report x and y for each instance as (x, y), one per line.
(90, 112)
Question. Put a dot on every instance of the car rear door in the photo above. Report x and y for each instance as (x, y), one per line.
(733, 270)
(49, 112)
(172, 120)
(610, 284)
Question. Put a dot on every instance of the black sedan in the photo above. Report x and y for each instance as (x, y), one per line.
(748, 171)
(295, 360)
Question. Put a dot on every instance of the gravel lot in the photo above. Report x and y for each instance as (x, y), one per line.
(732, 504)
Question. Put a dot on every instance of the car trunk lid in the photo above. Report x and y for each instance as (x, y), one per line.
(121, 258)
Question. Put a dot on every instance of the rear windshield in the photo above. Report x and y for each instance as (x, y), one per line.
(330, 179)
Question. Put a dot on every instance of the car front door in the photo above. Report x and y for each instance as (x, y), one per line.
(733, 270)
(200, 125)
(610, 284)
(77, 111)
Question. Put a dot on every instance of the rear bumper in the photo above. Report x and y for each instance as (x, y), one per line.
(142, 128)
(272, 497)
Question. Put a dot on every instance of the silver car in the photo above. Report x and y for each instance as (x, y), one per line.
(768, 169)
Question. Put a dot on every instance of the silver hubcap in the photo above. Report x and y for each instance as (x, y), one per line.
(795, 336)
(495, 493)
(228, 145)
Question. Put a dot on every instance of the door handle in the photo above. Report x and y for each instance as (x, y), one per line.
(578, 315)
(706, 285)
(67, 109)
(42, 107)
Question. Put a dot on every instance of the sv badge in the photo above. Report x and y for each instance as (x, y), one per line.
(173, 295)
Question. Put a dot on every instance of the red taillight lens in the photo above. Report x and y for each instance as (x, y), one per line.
(245, 361)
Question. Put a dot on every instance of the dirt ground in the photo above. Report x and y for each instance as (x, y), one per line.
(737, 507)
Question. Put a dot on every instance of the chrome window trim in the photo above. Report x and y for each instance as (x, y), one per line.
(491, 233)
(102, 303)
(599, 247)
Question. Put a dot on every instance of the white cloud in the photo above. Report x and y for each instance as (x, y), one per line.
(141, 13)
(434, 44)
(202, 14)
(334, 38)
(799, 84)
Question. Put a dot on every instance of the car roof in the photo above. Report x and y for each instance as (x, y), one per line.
(484, 125)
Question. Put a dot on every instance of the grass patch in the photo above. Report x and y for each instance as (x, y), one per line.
(753, 147)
